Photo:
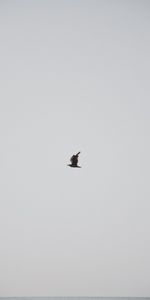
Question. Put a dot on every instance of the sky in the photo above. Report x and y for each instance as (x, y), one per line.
(74, 76)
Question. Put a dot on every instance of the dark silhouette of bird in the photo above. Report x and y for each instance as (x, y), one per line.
(74, 161)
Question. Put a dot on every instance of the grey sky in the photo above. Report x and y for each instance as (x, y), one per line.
(74, 76)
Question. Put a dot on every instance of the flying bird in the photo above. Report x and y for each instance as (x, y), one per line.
(74, 161)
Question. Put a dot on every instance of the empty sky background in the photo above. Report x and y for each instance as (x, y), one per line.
(74, 76)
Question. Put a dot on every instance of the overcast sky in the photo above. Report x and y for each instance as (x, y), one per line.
(74, 76)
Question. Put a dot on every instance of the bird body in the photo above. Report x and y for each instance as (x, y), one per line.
(74, 161)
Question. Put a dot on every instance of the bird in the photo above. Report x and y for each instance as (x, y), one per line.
(74, 161)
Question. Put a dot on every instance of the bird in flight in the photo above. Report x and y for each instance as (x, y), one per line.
(74, 161)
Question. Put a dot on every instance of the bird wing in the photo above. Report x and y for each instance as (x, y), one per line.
(78, 153)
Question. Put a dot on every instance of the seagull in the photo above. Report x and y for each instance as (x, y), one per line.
(74, 161)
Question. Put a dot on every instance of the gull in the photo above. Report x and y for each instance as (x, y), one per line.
(74, 161)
